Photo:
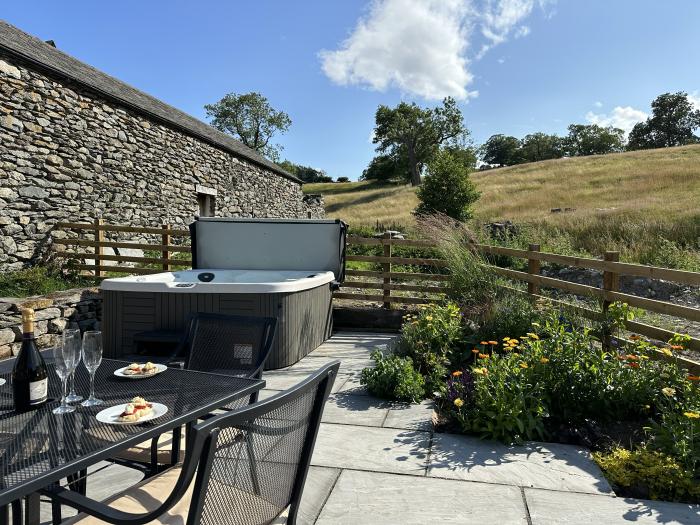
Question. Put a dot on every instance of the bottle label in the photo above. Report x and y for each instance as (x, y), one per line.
(38, 391)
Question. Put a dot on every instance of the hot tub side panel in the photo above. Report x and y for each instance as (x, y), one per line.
(304, 317)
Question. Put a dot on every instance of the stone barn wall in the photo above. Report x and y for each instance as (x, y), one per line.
(76, 143)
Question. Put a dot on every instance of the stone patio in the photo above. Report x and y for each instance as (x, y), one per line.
(378, 462)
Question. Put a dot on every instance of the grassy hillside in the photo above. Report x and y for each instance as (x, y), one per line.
(623, 200)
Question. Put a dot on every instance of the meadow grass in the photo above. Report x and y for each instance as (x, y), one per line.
(646, 204)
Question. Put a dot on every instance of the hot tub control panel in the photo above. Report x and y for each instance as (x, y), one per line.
(206, 277)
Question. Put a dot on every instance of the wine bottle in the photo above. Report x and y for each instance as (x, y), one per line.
(29, 376)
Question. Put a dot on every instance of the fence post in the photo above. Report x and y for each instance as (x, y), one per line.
(99, 239)
(386, 269)
(533, 268)
(165, 241)
(611, 282)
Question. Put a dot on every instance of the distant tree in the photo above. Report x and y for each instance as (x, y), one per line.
(305, 173)
(591, 139)
(386, 168)
(447, 187)
(540, 146)
(501, 150)
(465, 155)
(416, 134)
(672, 123)
(250, 119)
(342, 179)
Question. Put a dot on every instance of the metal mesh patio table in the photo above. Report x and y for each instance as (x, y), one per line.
(38, 448)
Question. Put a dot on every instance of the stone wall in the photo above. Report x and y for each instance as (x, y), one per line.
(67, 154)
(79, 308)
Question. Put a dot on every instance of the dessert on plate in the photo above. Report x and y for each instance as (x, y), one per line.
(135, 369)
(135, 410)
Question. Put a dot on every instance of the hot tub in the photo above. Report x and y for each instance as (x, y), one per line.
(275, 268)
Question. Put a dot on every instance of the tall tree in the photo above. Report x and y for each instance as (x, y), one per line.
(672, 123)
(591, 139)
(305, 173)
(540, 146)
(417, 133)
(501, 150)
(251, 119)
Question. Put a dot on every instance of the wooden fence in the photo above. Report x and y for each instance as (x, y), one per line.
(610, 267)
(388, 286)
(165, 260)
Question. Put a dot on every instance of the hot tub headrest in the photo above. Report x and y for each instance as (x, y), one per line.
(269, 244)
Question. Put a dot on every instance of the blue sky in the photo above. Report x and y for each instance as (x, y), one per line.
(537, 65)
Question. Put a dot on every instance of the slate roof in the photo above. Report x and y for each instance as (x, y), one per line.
(50, 60)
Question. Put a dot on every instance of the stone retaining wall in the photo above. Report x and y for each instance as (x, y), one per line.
(79, 308)
(69, 154)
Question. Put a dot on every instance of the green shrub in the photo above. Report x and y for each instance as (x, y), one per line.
(432, 338)
(393, 377)
(38, 280)
(447, 188)
(643, 470)
(512, 315)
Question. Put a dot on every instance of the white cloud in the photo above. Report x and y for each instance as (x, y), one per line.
(501, 60)
(620, 117)
(423, 47)
(598, 104)
(694, 99)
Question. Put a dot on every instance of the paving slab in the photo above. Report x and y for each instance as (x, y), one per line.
(540, 465)
(354, 345)
(319, 482)
(369, 448)
(347, 409)
(352, 386)
(285, 378)
(410, 416)
(549, 507)
(377, 498)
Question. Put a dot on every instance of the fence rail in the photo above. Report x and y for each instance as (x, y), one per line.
(611, 268)
(97, 229)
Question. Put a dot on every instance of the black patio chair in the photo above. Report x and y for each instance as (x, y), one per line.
(224, 344)
(221, 482)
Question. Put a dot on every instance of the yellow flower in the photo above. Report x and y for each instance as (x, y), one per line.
(481, 371)
(458, 403)
(544, 360)
(668, 391)
(513, 342)
(429, 317)
(667, 352)
(691, 415)
(523, 364)
(456, 373)
(533, 336)
(506, 338)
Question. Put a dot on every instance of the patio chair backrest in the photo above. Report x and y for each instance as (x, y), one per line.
(229, 344)
(254, 461)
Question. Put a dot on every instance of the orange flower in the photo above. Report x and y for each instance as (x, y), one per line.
(484, 343)
(632, 357)
(635, 337)
(483, 356)
(677, 347)
(475, 350)
(633, 365)
(544, 360)
(493, 342)
(457, 373)
(693, 378)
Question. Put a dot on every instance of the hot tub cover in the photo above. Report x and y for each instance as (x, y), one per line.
(269, 244)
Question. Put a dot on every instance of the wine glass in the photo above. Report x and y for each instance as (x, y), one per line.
(65, 360)
(92, 357)
(72, 396)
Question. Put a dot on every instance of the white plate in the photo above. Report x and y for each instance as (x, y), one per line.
(111, 415)
(159, 368)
